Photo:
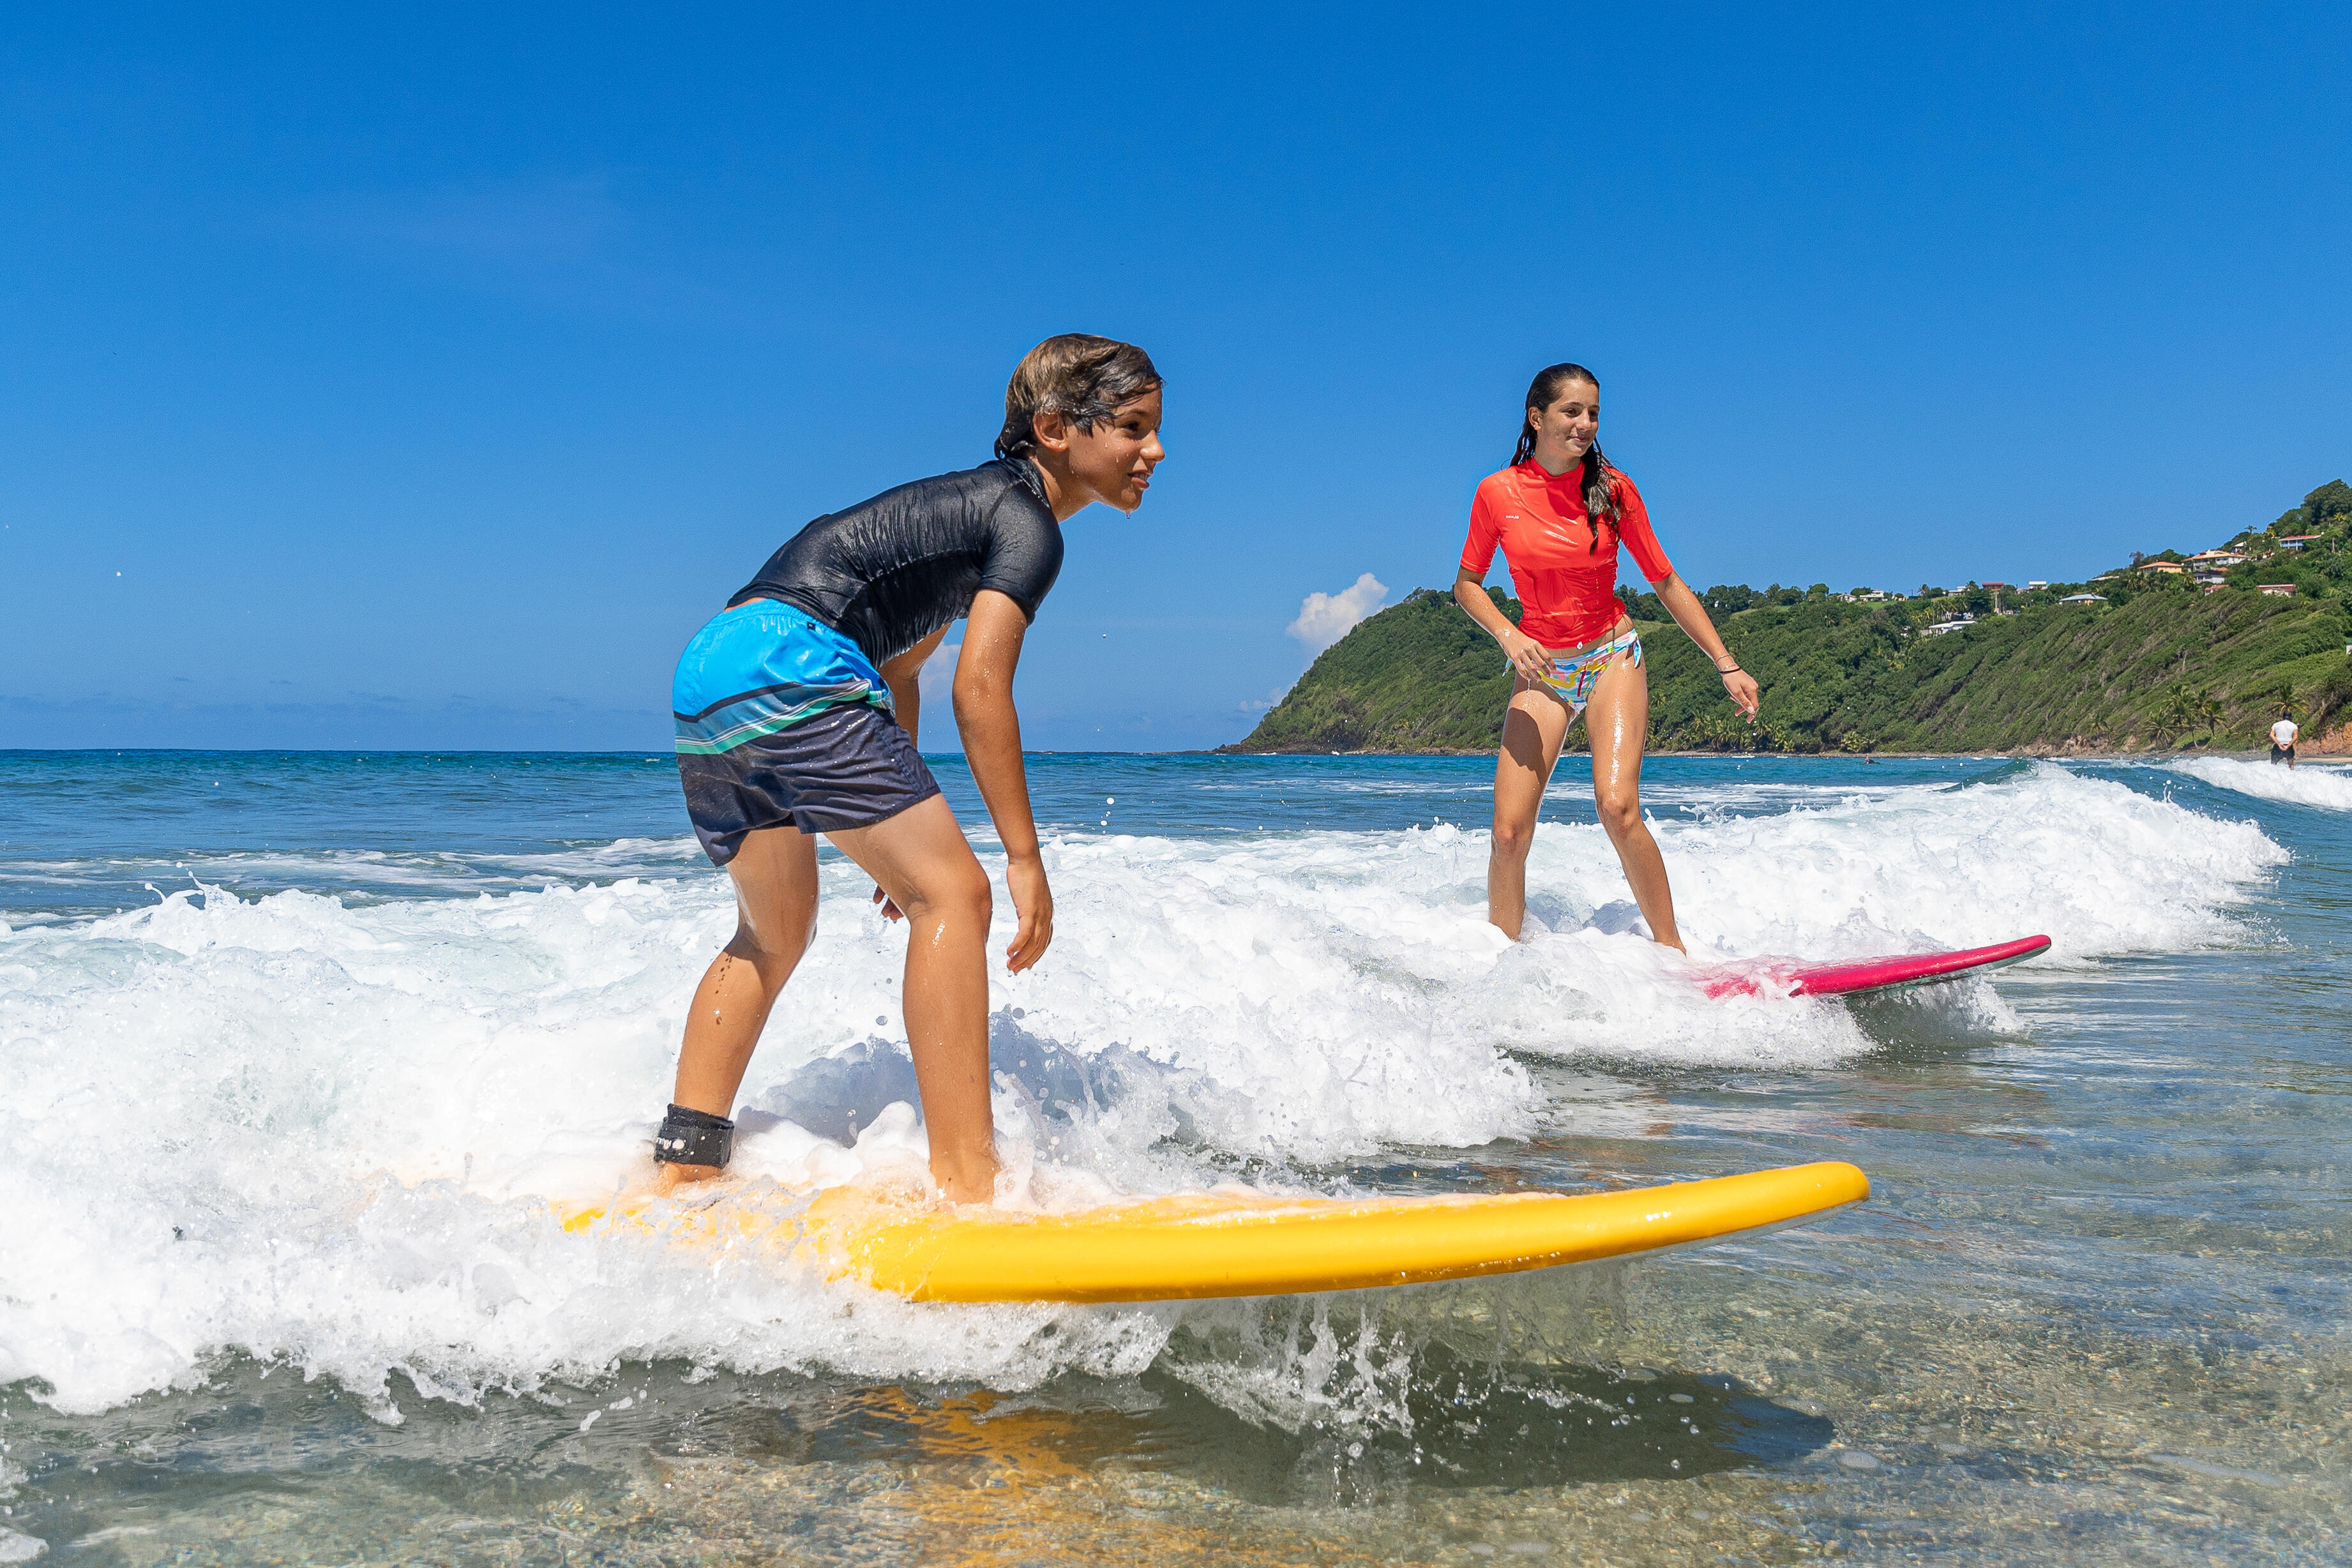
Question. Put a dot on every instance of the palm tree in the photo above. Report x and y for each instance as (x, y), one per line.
(2185, 711)
(2177, 713)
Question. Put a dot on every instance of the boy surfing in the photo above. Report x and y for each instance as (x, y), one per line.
(1558, 512)
(797, 710)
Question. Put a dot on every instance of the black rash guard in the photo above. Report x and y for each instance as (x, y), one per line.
(891, 570)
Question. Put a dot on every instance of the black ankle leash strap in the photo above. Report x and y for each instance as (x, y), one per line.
(694, 1138)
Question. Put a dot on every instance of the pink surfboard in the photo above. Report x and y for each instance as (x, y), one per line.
(1792, 977)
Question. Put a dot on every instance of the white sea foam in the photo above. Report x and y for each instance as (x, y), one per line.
(315, 1133)
(2328, 788)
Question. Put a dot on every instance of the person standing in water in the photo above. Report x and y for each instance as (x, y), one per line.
(797, 709)
(1558, 512)
(2283, 735)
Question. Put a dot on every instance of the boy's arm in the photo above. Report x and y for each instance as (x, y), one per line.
(904, 677)
(992, 746)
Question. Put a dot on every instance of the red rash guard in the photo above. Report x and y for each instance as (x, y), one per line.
(1567, 589)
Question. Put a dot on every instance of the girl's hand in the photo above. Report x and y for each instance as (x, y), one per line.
(1526, 655)
(1744, 692)
(889, 909)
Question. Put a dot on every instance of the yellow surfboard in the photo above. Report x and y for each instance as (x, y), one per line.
(1199, 1245)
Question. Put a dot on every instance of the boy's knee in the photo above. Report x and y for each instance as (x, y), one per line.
(779, 939)
(753, 947)
(1512, 839)
(963, 892)
(973, 895)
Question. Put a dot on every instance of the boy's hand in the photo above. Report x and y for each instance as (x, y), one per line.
(889, 909)
(1033, 901)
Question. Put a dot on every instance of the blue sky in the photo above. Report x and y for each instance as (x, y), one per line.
(423, 379)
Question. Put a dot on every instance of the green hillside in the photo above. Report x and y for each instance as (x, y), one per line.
(2161, 663)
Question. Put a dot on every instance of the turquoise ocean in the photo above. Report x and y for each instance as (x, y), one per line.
(300, 1052)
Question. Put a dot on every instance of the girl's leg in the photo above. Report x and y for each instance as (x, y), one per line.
(1617, 722)
(775, 916)
(920, 857)
(1533, 728)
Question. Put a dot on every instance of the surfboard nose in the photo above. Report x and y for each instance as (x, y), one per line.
(1198, 1244)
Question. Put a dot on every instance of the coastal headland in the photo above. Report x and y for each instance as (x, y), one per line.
(2171, 653)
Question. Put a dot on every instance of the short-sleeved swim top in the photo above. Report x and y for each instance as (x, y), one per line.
(889, 572)
(1567, 583)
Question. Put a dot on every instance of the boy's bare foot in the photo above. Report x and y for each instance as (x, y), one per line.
(669, 1178)
(971, 1179)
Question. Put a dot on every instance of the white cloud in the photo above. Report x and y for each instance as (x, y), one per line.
(1272, 698)
(1325, 618)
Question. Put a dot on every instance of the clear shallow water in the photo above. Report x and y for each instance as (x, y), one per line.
(277, 1279)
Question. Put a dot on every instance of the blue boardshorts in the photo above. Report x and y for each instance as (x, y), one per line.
(784, 721)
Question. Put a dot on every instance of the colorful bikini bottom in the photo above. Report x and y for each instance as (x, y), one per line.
(1573, 679)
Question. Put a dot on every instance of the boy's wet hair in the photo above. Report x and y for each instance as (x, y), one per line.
(1082, 377)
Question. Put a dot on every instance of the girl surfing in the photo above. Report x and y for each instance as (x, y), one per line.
(1558, 512)
(797, 709)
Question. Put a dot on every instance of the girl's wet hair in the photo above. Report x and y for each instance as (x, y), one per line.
(1084, 378)
(1599, 493)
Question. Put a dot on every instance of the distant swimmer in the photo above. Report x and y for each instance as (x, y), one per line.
(797, 709)
(2282, 738)
(1557, 512)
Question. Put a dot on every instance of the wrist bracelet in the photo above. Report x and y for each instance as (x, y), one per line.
(1734, 669)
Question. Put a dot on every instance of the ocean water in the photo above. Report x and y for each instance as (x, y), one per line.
(297, 1052)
